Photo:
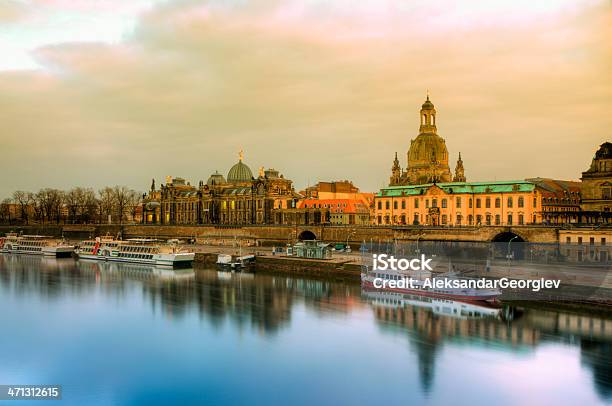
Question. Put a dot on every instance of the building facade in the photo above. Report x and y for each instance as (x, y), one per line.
(586, 244)
(340, 211)
(238, 199)
(597, 182)
(459, 204)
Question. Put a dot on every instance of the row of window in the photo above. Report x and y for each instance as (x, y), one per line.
(458, 203)
(444, 219)
(568, 240)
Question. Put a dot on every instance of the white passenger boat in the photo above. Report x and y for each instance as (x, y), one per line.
(228, 262)
(135, 250)
(439, 306)
(35, 244)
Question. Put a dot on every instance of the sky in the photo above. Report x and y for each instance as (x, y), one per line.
(107, 92)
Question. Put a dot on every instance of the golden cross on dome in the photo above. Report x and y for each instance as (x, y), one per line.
(427, 94)
(240, 155)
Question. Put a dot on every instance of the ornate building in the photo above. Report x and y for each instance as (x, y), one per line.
(427, 157)
(238, 199)
(597, 181)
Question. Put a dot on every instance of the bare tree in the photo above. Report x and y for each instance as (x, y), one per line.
(134, 199)
(73, 199)
(121, 195)
(106, 203)
(49, 202)
(23, 199)
(89, 204)
(5, 211)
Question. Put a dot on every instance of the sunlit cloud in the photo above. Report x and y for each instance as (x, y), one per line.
(126, 91)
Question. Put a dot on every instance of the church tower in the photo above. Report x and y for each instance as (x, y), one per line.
(396, 173)
(427, 156)
(459, 171)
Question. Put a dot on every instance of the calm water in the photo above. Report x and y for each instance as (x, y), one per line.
(125, 335)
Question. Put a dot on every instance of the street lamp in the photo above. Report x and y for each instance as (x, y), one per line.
(508, 256)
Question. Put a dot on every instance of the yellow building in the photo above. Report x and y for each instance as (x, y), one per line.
(473, 203)
(586, 244)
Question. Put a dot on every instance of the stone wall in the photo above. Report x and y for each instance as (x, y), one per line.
(269, 235)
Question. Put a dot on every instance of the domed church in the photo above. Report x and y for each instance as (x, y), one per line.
(427, 158)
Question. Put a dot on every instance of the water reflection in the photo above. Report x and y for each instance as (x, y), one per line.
(267, 305)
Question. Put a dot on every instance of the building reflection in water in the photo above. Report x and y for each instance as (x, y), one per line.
(264, 303)
(430, 323)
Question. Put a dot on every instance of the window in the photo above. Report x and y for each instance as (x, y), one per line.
(478, 219)
(535, 202)
(458, 202)
(579, 240)
(603, 241)
(395, 205)
(444, 203)
(592, 241)
(478, 203)
(568, 240)
(521, 220)
(488, 219)
(387, 204)
(403, 204)
(416, 219)
(488, 202)
(403, 219)
(379, 219)
(470, 203)
(497, 219)
(434, 202)
(470, 219)
(426, 203)
(509, 201)
(509, 219)
(458, 219)
(444, 219)
(521, 201)
(416, 203)
(497, 202)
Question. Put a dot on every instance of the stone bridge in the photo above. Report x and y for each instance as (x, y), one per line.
(271, 234)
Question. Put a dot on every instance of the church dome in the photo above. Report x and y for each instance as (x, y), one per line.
(239, 173)
(215, 179)
(604, 151)
(427, 148)
(427, 105)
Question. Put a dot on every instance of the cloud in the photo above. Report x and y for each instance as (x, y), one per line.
(318, 91)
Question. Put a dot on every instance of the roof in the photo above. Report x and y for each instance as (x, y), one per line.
(460, 188)
(555, 185)
(239, 173)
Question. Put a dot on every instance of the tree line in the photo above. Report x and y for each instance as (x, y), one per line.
(78, 205)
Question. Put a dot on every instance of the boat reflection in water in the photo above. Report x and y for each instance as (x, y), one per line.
(438, 306)
(121, 270)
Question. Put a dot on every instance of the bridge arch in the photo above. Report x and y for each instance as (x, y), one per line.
(307, 235)
(507, 244)
(507, 236)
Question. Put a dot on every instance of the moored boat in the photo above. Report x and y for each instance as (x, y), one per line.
(13, 243)
(135, 250)
(238, 263)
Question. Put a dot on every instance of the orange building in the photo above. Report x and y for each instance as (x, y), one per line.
(470, 203)
(341, 211)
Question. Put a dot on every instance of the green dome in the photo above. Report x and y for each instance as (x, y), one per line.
(239, 173)
(215, 179)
